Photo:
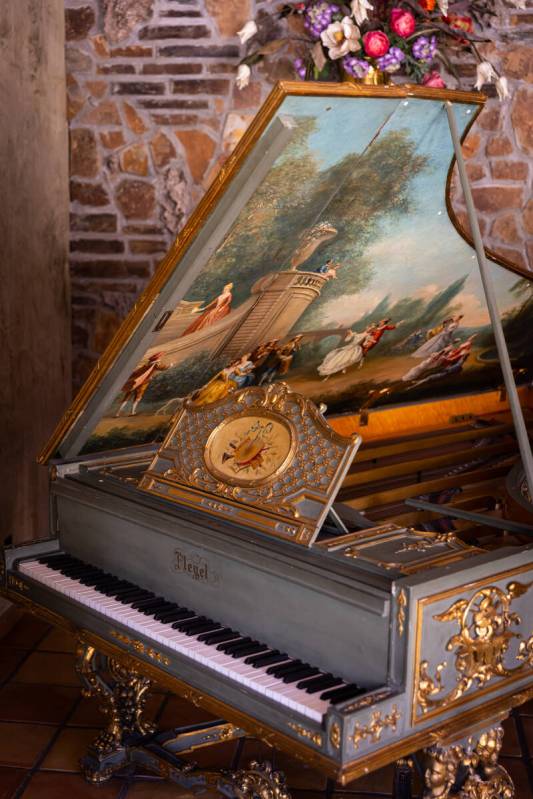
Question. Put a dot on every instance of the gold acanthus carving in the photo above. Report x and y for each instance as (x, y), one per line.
(141, 648)
(400, 612)
(335, 735)
(485, 779)
(525, 651)
(260, 781)
(303, 732)
(375, 727)
(480, 645)
(19, 585)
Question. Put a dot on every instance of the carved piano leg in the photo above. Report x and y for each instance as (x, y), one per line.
(469, 770)
(123, 693)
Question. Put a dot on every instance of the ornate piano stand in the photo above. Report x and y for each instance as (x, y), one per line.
(465, 769)
(128, 739)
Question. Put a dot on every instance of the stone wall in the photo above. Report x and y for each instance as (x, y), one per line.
(153, 112)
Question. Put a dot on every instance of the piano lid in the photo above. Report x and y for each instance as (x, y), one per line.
(322, 255)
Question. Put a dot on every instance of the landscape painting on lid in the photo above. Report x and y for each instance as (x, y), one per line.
(342, 275)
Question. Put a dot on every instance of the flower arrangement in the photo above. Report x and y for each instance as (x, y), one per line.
(362, 42)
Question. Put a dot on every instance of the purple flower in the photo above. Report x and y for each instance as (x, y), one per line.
(357, 67)
(300, 67)
(318, 15)
(424, 49)
(390, 62)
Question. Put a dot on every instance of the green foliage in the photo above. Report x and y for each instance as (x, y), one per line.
(296, 195)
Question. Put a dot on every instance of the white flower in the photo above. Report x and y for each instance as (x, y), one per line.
(502, 87)
(443, 5)
(243, 76)
(518, 3)
(484, 74)
(249, 30)
(360, 9)
(341, 38)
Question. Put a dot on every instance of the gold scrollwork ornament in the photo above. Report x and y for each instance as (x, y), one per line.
(335, 735)
(485, 779)
(374, 729)
(260, 781)
(480, 645)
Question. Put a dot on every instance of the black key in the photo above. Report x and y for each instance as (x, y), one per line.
(73, 571)
(284, 668)
(148, 596)
(103, 585)
(253, 648)
(321, 683)
(54, 560)
(226, 634)
(97, 580)
(258, 661)
(340, 694)
(65, 564)
(112, 591)
(131, 596)
(151, 609)
(300, 674)
(186, 617)
(250, 649)
(88, 578)
(205, 627)
(169, 609)
(143, 604)
(176, 615)
(230, 647)
(186, 624)
(120, 590)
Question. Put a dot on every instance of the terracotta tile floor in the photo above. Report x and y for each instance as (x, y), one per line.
(45, 727)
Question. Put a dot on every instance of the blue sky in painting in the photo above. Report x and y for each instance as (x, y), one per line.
(420, 252)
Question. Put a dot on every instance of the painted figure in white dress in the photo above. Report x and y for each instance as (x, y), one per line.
(339, 359)
(440, 337)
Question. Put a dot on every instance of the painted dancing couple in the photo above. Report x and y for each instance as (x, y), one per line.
(355, 350)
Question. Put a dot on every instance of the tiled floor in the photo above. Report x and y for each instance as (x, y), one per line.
(45, 727)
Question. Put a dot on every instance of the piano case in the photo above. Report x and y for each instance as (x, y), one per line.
(324, 257)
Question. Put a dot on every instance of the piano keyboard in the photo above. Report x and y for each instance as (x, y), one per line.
(254, 665)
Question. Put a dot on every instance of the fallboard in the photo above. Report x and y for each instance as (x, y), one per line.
(309, 605)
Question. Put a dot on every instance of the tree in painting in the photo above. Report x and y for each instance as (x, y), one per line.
(296, 196)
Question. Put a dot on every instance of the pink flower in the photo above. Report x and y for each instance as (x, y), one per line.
(433, 80)
(376, 43)
(402, 22)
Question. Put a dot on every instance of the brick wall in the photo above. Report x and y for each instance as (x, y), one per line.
(153, 112)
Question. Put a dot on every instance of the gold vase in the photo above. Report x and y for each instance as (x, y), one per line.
(374, 77)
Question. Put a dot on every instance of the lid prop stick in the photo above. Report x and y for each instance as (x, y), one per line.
(490, 295)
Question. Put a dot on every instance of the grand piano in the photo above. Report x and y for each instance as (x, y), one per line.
(373, 599)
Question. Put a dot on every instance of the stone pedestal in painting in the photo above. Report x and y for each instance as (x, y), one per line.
(281, 299)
